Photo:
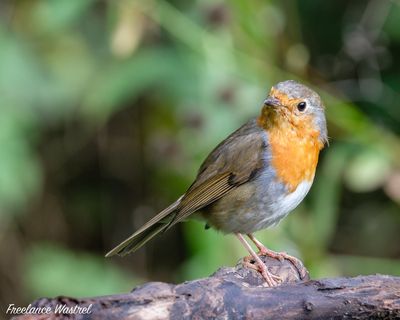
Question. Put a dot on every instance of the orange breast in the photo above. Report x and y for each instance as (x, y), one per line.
(294, 154)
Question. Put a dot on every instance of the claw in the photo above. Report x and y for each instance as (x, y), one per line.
(270, 279)
(281, 256)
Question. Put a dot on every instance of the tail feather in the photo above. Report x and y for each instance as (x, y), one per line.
(150, 229)
(135, 241)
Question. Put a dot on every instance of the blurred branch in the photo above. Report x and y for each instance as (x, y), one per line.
(237, 293)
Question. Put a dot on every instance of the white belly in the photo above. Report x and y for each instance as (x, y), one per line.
(287, 203)
(272, 208)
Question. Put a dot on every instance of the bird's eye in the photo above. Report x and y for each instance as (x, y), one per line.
(301, 106)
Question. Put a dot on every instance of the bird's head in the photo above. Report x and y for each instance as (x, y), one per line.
(294, 107)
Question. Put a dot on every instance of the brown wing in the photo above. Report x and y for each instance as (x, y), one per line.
(233, 162)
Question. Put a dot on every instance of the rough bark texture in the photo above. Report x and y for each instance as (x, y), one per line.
(238, 293)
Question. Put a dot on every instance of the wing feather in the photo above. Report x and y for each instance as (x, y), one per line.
(233, 162)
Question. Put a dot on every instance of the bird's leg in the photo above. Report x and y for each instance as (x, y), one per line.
(262, 268)
(264, 251)
(281, 256)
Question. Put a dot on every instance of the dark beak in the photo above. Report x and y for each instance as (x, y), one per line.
(272, 102)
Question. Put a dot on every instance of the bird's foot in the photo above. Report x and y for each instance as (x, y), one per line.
(270, 279)
(282, 256)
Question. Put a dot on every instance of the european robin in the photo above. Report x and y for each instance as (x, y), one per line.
(255, 177)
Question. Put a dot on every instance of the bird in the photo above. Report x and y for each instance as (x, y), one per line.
(255, 177)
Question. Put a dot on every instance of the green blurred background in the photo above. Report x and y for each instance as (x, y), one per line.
(109, 107)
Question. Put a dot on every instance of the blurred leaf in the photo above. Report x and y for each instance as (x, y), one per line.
(323, 267)
(68, 68)
(392, 24)
(52, 270)
(209, 253)
(123, 80)
(52, 16)
(367, 170)
(357, 265)
(325, 197)
(20, 76)
(20, 172)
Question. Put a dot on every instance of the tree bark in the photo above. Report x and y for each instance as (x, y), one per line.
(239, 293)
